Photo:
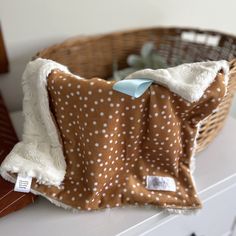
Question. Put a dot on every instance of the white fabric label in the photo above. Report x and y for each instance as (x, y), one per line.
(160, 183)
(23, 184)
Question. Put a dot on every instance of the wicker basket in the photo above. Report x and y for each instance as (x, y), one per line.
(94, 56)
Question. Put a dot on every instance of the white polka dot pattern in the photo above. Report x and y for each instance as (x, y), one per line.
(112, 142)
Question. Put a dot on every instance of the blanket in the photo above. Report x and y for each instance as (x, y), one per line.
(89, 147)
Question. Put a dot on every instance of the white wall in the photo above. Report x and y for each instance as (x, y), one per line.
(30, 25)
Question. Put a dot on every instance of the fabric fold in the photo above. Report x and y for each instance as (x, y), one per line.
(188, 80)
(39, 154)
(134, 87)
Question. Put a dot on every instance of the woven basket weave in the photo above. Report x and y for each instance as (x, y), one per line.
(94, 56)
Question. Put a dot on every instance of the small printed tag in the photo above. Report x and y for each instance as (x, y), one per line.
(23, 184)
(160, 183)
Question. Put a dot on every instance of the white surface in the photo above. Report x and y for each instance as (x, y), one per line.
(29, 26)
(215, 173)
(215, 219)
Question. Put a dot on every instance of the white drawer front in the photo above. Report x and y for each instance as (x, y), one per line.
(215, 219)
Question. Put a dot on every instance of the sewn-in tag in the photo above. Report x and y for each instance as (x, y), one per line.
(160, 183)
(23, 184)
(132, 87)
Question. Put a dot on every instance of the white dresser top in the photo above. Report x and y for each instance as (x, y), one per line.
(215, 172)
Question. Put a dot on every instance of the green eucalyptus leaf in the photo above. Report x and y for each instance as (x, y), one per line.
(147, 49)
(135, 61)
(114, 66)
(121, 74)
(149, 59)
(148, 62)
(158, 61)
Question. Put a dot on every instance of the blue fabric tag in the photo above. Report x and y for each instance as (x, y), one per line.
(132, 87)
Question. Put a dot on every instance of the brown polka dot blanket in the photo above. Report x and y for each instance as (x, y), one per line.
(90, 147)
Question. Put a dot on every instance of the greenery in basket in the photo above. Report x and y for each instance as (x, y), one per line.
(148, 58)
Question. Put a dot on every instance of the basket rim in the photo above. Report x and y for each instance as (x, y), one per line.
(173, 30)
(78, 40)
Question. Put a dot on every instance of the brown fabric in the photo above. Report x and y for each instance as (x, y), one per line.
(10, 201)
(112, 142)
